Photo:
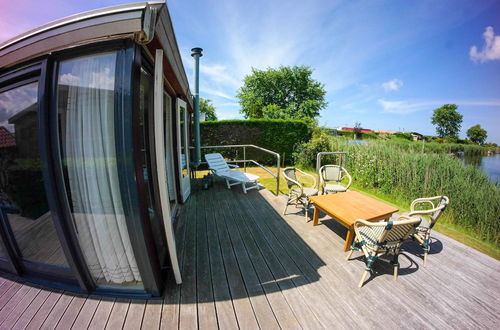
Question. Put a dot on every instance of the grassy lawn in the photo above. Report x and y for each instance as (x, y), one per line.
(445, 228)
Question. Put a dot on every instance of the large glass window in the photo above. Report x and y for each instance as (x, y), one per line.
(22, 192)
(87, 134)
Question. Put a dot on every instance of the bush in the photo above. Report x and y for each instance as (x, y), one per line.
(277, 135)
(405, 136)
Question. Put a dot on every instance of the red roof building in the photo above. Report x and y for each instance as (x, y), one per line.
(351, 129)
(7, 139)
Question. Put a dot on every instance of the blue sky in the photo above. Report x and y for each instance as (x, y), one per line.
(386, 64)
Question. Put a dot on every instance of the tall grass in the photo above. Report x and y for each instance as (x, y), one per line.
(406, 174)
(435, 147)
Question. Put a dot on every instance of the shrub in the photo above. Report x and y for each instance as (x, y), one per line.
(277, 135)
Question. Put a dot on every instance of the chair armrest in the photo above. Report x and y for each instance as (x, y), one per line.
(424, 200)
(233, 165)
(349, 178)
(309, 175)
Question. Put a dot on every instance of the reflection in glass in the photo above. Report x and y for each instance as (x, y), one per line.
(22, 192)
(184, 152)
(87, 133)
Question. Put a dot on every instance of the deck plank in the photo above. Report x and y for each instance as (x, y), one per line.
(188, 318)
(57, 312)
(135, 314)
(277, 299)
(259, 300)
(102, 313)
(152, 314)
(241, 302)
(207, 317)
(44, 310)
(10, 304)
(171, 301)
(26, 317)
(226, 316)
(72, 312)
(7, 321)
(9, 293)
(118, 314)
(87, 313)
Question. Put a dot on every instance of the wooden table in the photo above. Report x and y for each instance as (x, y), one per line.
(349, 206)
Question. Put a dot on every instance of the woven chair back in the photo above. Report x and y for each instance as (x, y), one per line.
(332, 173)
(399, 231)
(290, 173)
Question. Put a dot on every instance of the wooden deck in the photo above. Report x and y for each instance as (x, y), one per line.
(246, 266)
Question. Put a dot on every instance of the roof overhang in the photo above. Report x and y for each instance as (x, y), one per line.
(140, 21)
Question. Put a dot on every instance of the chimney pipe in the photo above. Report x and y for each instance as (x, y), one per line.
(197, 53)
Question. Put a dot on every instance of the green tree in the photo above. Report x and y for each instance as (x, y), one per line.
(357, 130)
(283, 93)
(477, 134)
(447, 120)
(208, 109)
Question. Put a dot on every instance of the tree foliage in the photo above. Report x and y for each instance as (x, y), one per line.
(208, 109)
(447, 120)
(283, 93)
(477, 134)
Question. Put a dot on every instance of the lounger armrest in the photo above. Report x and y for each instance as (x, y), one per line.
(233, 165)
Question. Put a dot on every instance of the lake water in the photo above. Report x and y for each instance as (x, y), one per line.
(489, 164)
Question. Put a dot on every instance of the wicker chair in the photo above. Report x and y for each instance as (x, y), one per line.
(298, 193)
(331, 177)
(429, 217)
(380, 238)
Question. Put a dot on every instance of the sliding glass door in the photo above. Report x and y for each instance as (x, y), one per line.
(28, 237)
(86, 120)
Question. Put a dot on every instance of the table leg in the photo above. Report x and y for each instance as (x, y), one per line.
(348, 239)
(316, 216)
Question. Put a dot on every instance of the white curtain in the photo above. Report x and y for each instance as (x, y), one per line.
(89, 145)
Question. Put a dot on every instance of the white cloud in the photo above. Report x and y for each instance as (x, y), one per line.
(69, 79)
(392, 85)
(405, 107)
(219, 74)
(491, 47)
(216, 92)
(399, 107)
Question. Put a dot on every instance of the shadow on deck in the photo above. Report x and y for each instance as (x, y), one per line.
(244, 265)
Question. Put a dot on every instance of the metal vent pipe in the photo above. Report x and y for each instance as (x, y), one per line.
(196, 53)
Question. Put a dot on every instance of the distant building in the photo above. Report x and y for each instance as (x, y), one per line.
(385, 132)
(417, 136)
(7, 139)
(351, 129)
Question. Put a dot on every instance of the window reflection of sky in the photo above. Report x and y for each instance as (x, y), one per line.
(14, 101)
(69, 72)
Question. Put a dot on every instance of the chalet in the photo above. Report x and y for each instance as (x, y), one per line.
(94, 122)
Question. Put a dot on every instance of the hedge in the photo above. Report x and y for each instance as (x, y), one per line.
(281, 136)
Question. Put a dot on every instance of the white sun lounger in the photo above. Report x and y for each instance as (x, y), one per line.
(221, 168)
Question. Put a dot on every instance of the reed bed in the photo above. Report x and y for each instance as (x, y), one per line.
(406, 174)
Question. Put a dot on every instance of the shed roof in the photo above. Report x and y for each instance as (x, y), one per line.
(7, 139)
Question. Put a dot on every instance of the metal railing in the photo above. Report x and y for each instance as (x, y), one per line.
(245, 160)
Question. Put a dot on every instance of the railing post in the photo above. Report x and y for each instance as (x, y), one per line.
(278, 175)
(245, 158)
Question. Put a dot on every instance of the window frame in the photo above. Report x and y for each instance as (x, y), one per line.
(45, 69)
